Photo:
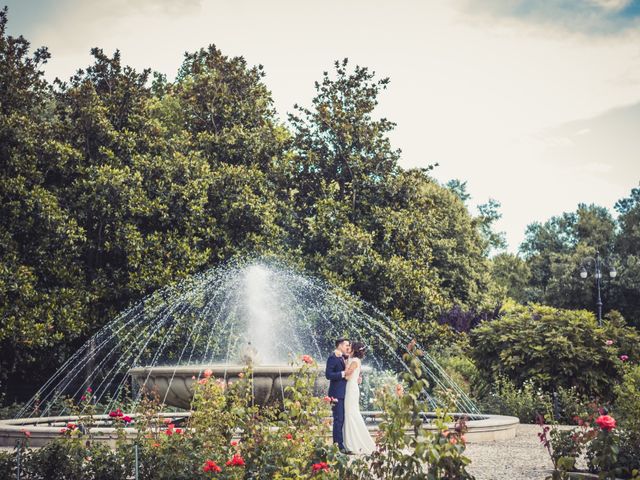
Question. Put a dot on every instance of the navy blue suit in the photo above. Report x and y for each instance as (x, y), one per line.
(337, 388)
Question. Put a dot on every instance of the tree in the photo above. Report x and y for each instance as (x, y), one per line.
(115, 183)
(396, 238)
(228, 110)
(513, 274)
(42, 305)
(489, 214)
(625, 288)
(459, 188)
(554, 252)
(338, 140)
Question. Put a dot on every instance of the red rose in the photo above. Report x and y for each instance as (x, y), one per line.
(606, 422)
(89, 390)
(236, 461)
(307, 359)
(234, 443)
(211, 466)
(320, 467)
(127, 419)
(288, 436)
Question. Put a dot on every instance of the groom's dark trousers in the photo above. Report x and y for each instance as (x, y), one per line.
(337, 389)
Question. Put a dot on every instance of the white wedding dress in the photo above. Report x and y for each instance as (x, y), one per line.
(355, 433)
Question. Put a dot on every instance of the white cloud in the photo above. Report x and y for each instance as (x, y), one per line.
(613, 5)
(597, 167)
(555, 142)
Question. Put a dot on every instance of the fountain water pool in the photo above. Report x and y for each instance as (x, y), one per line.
(273, 312)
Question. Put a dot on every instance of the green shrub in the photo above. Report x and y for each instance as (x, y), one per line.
(525, 402)
(626, 409)
(554, 348)
(571, 405)
(406, 449)
(7, 464)
(460, 368)
(59, 459)
(627, 403)
(629, 455)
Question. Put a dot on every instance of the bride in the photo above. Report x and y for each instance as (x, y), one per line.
(356, 434)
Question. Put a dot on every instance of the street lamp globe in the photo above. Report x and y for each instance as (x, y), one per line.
(583, 273)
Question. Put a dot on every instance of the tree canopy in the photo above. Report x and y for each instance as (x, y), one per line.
(555, 252)
(116, 182)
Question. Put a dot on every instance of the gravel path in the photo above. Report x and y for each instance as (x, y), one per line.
(521, 458)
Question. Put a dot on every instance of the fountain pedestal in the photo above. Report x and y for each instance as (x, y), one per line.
(175, 385)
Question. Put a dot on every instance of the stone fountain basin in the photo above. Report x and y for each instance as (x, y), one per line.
(42, 430)
(175, 385)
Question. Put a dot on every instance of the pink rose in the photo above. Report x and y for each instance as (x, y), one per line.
(606, 422)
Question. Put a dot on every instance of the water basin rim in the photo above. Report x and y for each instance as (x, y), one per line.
(220, 369)
(476, 420)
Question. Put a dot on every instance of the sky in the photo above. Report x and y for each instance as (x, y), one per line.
(533, 104)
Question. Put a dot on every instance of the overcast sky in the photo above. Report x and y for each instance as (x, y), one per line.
(535, 104)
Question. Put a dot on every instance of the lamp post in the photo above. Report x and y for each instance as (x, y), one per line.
(597, 263)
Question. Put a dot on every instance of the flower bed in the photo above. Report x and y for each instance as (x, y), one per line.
(227, 437)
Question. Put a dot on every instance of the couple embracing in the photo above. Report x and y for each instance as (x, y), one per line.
(343, 372)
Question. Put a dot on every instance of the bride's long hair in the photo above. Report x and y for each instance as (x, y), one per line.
(358, 349)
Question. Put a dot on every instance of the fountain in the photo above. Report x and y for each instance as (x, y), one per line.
(256, 312)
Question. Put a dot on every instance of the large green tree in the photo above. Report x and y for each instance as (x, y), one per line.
(117, 182)
(396, 238)
(555, 252)
(42, 302)
(625, 290)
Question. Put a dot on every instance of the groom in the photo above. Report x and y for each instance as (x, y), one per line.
(334, 372)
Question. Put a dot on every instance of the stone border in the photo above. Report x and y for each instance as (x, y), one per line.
(44, 429)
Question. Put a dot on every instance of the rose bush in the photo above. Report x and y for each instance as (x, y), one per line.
(227, 437)
(609, 450)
